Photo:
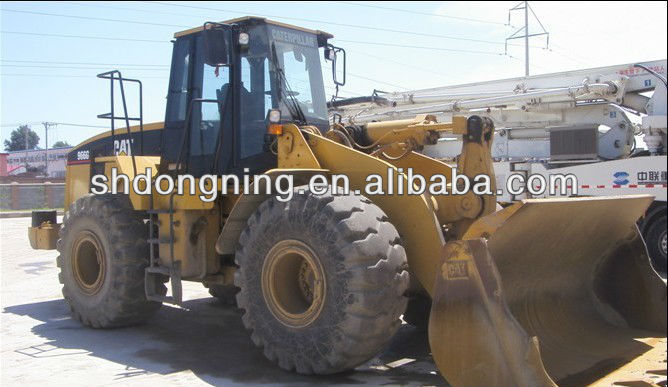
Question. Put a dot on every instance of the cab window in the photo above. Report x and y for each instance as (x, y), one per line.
(255, 99)
(177, 98)
(205, 133)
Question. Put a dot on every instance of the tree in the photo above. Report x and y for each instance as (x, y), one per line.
(17, 139)
(61, 144)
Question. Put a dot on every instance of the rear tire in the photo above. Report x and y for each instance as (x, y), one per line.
(348, 257)
(103, 253)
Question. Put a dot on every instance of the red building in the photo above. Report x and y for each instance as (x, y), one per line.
(35, 162)
(3, 164)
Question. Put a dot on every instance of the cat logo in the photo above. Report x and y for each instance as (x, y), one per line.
(457, 269)
(123, 147)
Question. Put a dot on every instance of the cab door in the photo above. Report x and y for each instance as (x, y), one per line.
(198, 133)
(210, 130)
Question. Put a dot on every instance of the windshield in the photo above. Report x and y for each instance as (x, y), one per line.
(300, 84)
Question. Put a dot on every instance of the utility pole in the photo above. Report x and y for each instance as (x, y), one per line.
(25, 134)
(524, 5)
(526, 38)
(46, 146)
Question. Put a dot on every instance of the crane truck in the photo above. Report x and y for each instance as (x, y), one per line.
(585, 123)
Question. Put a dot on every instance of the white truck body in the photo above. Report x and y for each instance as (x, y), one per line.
(583, 122)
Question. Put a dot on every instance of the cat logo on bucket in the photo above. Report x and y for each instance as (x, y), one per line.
(456, 270)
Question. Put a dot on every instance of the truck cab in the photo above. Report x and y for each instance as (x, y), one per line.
(225, 78)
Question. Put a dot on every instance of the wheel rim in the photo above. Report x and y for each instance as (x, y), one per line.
(663, 243)
(293, 283)
(88, 262)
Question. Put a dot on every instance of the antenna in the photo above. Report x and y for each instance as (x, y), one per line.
(524, 5)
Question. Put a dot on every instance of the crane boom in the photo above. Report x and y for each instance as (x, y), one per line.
(605, 98)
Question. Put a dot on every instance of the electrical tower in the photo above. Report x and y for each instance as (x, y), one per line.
(524, 5)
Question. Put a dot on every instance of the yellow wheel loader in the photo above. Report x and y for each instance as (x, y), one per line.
(543, 292)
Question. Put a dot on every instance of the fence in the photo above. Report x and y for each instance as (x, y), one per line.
(22, 196)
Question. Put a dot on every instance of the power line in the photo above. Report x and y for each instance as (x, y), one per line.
(80, 125)
(425, 13)
(237, 12)
(570, 58)
(152, 69)
(423, 47)
(94, 18)
(98, 37)
(343, 2)
(375, 80)
(340, 40)
(149, 77)
(303, 19)
(146, 69)
(17, 124)
(77, 68)
(96, 5)
(223, 10)
(51, 122)
(158, 41)
(84, 37)
(581, 60)
(83, 63)
(167, 66)
(317, 21)
(113, 65)
(405, 32)
(62, 76)
(348, 73)
(397, 62)
(276, 16)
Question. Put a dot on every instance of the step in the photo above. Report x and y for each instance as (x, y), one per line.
(151, 284)
(159, 270)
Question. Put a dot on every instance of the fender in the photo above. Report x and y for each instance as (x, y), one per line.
(247, 204)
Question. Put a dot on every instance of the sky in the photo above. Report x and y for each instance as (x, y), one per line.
(50, 52)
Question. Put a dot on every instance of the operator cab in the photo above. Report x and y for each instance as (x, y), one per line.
(225, 79)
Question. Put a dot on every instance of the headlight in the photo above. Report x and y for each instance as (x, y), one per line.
(244, 38)
(274, 116)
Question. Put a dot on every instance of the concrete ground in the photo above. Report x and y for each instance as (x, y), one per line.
(202, 343)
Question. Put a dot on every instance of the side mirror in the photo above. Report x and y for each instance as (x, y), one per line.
(214, 39)
(332, 54)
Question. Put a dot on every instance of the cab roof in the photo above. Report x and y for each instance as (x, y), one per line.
(322, 35)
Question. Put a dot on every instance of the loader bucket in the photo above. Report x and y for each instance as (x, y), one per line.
(561, 293)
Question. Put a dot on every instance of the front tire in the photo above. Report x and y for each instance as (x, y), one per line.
(656, 243)
(322, 281)
(103, 253)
